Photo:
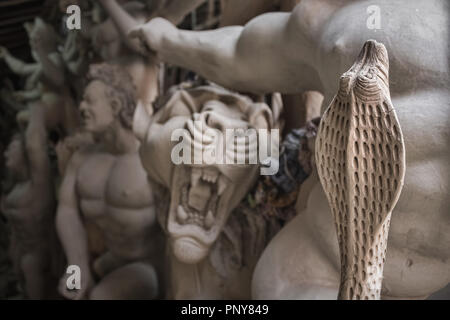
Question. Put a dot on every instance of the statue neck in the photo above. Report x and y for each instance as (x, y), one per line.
(118, 140)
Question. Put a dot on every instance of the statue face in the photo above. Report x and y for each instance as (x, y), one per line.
(95, 109)
(14, 156)
(202, 195)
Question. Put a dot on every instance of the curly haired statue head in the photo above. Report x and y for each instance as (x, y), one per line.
(119, 86)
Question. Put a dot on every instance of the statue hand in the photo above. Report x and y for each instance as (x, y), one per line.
(150, 35)
(86, 285)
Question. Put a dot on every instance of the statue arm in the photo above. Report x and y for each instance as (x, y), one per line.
(72, 232)
(36, 148)
(27, 95)
(237, 12)
(16, 65)
(69, 225)
(266, 55)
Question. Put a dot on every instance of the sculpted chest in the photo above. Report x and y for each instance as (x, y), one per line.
(107, 181)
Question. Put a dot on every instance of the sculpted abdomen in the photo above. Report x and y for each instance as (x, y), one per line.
(136, 220)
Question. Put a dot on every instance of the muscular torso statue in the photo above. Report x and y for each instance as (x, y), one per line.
(118, 193)
(309, 49)
(105, 185)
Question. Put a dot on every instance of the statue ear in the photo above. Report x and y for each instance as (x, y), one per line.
(115, 106)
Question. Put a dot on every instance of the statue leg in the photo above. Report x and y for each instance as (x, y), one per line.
(137, 280)
(302, 261)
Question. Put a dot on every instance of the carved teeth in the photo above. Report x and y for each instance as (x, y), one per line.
(196, 173)
(210, 175)
(209, 220)
(181, 214)
(222, 184)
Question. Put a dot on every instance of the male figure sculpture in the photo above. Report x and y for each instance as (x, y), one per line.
(105, 184)
(309, 49)
(29, 206)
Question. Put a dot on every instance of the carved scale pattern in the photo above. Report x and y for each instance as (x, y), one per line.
(361, 162)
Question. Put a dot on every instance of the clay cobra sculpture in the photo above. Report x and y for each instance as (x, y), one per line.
(360, 158)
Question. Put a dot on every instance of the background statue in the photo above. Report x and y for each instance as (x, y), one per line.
(45, 78)
(112, 44)
(105, 185)
(298, 108)
(309, 49)
(29, 206)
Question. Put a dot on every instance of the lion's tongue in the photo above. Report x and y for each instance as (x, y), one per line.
(199, 196)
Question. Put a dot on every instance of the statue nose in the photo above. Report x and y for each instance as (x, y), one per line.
(83, 109)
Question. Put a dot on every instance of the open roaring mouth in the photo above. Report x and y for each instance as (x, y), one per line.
(203, 195)
(199, 197)
(198, 210)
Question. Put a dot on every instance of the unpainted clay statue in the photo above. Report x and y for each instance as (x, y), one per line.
(105, 186)
(309, 49)
(298, 108)
(212, 250)
(111, 42)
(45, 78)
(29, 206)
(361, 164)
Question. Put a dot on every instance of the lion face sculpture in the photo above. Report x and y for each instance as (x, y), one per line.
(201, 195)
